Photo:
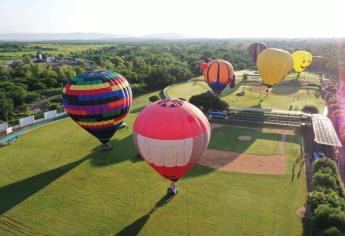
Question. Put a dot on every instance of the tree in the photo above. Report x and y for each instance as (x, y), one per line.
(208, 101)
(331, 199)
(324, 182)
(325, 162)
(310, 109)
(6, 106)
(154, 98)
(326, 216)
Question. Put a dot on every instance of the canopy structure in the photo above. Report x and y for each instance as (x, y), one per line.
(324, 131)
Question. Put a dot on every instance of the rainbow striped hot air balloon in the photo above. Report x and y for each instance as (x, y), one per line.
(98, 101)
(171, 135)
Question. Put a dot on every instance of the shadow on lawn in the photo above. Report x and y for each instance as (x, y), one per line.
(123, 150)
(15, 193)
(287, 87)
(136, 226)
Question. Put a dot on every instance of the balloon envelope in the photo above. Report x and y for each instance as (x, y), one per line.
(217, 75)
(171, 135)
(274, 64)
(203, 66)
(98, 101)
(301, 60)
(255, 49)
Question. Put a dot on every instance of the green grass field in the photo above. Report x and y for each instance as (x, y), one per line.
(290, 92)
(263, 143)
(64, 49)
(56, 180)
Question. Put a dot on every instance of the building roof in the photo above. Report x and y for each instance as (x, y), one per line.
(324, 131)
(265, 110)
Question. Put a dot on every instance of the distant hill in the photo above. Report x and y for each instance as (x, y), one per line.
(81, 36)
(57, 36)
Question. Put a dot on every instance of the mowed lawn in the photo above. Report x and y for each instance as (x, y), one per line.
(64, 49)
(262, 143)
(56, 180)
(282, 92)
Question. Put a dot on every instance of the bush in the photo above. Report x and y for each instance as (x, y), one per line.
(51, 92)
(331, 231)
(325, 217)
(208, 101)
(154, 98)
(326, 165)
(323, 163)
(57, 100)
(139, 89)
(331, 199)
(310, 109)
(324, 182)
(30, 97)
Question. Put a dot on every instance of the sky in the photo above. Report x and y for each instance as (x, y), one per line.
(191, 18)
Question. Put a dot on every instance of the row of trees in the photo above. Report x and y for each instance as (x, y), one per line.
(23, 84)
(336, 108)
(147, 65)
(327, 200)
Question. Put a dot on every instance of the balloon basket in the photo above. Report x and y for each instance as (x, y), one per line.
(173, 189)
(107, 147)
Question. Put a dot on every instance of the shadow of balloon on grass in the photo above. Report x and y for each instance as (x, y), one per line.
(135, 227)
(15, 193)
(123, 150)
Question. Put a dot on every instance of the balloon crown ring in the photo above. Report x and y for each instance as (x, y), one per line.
(170, 103)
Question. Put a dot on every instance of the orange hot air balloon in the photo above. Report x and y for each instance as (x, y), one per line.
(218, 74)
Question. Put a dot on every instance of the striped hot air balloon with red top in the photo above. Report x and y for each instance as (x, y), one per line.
(98, 101)
(171, 135)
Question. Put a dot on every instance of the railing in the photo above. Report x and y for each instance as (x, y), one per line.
(28, 121)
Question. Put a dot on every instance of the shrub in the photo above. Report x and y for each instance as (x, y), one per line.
(331, 231)
(324, 182)
(331, 199)
(208, 101)
(310, 109)
(323, 163)
(30, 97)
(325, 217)
(154, 98)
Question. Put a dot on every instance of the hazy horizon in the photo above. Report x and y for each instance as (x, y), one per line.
(188, 19)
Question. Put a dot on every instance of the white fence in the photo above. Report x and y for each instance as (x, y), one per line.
(3, 127)
(30, 120)
(9, 130)
(50, 114)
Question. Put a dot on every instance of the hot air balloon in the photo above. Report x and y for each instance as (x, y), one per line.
(232, 82)
(301, 60)
(171, 135)
(218, 74)
(255, 49)
(203, 66)
(274, 64)
(98, 102)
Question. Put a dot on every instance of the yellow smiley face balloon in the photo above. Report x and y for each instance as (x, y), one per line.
(302, 59)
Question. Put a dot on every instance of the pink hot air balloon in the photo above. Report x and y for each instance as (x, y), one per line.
(171, 135)
(203, 66)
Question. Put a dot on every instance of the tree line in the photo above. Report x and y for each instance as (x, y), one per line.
(147, 65)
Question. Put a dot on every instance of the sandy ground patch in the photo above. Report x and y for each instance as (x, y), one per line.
(244, 162)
